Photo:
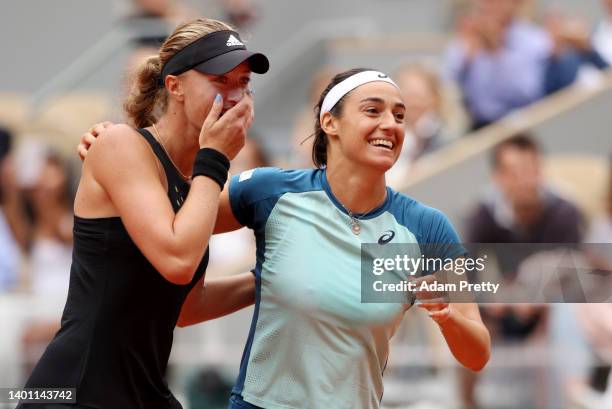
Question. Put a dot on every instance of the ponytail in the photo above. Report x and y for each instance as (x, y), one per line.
(147, 96)
(319, 146)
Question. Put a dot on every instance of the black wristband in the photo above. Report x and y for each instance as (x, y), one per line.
(213, 164)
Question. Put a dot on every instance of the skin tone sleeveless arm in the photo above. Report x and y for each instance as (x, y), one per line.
(226, 221)
(217, 297)
(173, 243)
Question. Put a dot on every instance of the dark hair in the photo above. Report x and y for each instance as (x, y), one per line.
(5, 148)
(5, 142)
(319, 146)
(522, 141)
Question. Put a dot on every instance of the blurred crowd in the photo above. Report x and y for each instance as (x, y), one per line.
(499, 59)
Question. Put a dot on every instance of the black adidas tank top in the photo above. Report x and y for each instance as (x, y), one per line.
(117, 326)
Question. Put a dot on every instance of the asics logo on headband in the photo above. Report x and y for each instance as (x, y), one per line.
(341, 89)
(233, 41)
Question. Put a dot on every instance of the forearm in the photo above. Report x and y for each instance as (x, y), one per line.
(174, 243)
(193, 224)
(217, 298)
(468, 340)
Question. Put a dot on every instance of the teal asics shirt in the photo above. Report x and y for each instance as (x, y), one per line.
(312, 343)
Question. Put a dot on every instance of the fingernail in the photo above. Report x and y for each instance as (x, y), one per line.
(218, 98)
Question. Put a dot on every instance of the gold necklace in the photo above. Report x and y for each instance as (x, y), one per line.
(354, 224)
(159, 140)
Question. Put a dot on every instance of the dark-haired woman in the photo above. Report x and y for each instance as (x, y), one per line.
(312, 343)
(144, 212)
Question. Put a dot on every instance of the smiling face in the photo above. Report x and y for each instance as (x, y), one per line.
(198, 91)
(370, 128)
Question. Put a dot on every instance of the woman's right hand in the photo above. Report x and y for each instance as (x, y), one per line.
(89, 137)
(227, 133)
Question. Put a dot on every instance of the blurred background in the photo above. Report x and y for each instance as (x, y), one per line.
(509, 132)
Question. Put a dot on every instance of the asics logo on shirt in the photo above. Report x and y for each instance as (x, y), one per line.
(386, 237)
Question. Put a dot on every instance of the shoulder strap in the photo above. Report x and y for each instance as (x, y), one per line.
(161, 154)
(177, 186)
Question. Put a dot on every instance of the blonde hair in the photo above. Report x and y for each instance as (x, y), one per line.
(429, 76)
(446, 96)
(148, 97)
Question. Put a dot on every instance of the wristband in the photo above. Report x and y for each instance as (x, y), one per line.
(213, 164)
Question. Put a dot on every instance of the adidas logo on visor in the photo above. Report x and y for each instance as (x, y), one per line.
(233, 41)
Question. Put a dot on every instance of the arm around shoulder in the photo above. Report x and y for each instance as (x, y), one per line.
(126, 168)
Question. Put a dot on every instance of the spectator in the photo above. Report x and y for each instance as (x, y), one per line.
(9, 248)
(160, 8)
(302, 134)
(151, 22)
(251, 156)
(594, 319)
(170, 10)
(519, 208)
(425, 117)
(429, 117)
(498, 60)
(46, 187)
(600, 231)
(573, 57)
(51, 249)
(241, 14)
(596, 323)
(602, 39)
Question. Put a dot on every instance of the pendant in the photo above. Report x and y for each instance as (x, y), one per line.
(355, 228)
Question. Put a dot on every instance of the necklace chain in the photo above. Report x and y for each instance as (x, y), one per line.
(159, 139)
(355, 227)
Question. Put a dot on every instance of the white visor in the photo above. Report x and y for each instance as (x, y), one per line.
(341, 89)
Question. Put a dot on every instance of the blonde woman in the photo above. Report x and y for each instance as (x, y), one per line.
(144, 212)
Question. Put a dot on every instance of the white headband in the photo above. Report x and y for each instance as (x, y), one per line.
(341, 89)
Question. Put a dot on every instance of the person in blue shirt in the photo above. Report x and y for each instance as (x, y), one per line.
(574, 57)
(312, 342)
(498, 60)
